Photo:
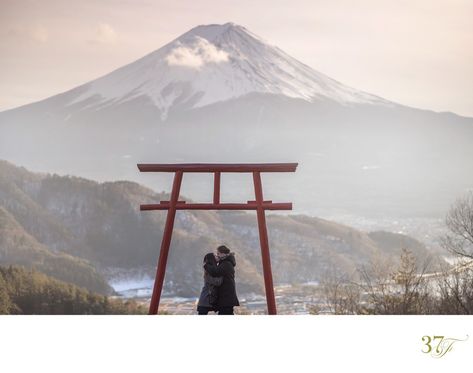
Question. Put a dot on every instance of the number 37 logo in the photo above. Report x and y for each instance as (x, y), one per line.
(437, 345)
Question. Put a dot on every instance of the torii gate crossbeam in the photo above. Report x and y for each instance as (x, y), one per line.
(260, 205)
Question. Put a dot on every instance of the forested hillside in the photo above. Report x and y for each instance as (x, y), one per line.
(83, 232)
(30, 292)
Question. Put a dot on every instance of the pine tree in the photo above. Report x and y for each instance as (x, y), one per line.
(5, 302)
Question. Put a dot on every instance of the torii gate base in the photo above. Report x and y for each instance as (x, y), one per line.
(260, 205)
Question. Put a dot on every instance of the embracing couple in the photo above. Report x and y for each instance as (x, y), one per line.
(219, 293)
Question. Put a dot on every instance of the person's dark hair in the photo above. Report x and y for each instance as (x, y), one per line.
(223, 249)
(209, 259)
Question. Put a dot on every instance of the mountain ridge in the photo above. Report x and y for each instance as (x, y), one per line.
(108, 232)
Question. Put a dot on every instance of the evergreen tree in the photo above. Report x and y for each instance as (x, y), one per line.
(25, 291)
(5, 303)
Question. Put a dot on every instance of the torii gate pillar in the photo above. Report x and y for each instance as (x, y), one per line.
(260, 205)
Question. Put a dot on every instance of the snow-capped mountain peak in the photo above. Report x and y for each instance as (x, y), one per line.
(212, 63)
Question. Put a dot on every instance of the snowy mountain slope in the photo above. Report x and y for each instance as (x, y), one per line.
(215, 63)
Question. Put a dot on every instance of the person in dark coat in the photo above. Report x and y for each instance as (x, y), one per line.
(208, 295)
(227, 297)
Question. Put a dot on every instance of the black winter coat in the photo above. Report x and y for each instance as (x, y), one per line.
(227, 296)
(209, 294)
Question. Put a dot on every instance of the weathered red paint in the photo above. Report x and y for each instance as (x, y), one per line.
(164, 205)
(263, 239)
(216, 187)
(218, 167)
(165, 243)
(260, 205)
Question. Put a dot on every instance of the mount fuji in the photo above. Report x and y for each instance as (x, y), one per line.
(219, 93)
(215, 63)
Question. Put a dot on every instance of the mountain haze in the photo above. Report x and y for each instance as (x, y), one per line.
(81, 231)
(219, 93)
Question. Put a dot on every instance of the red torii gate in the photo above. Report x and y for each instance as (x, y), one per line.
(260, 205)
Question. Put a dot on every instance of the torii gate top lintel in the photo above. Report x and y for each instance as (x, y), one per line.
(218, 167)
(259, 204)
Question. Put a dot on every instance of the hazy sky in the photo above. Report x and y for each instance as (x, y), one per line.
(415, 52)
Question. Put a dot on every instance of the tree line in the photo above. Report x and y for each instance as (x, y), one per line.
(25, 291)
